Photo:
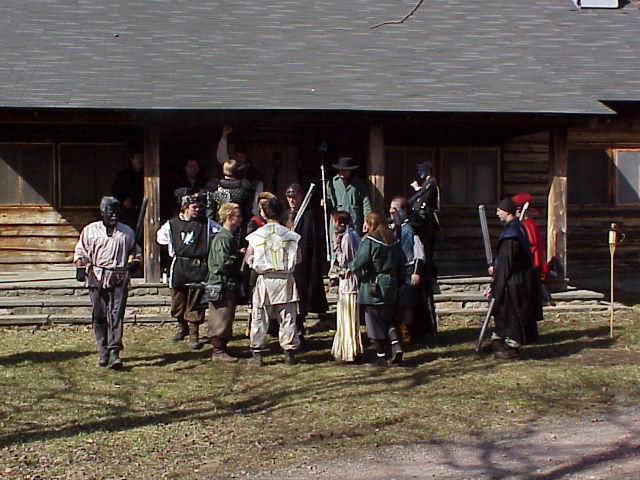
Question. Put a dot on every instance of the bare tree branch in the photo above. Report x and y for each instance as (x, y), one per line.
(402, 20)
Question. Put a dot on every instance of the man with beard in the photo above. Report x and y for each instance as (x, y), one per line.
(514, 287)
(188, 236)
(101, 258)
(308, 272)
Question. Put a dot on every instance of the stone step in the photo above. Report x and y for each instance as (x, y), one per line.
(476, 314)
(160, 304)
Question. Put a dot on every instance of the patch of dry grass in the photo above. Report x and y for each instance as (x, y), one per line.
(174, 414)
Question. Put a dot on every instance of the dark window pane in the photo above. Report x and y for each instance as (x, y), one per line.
(628, 176)
(37, 174)
(483, 176)
(9, 174)
(588, 177)
(88, 172)
(454, 173)
(595, 177)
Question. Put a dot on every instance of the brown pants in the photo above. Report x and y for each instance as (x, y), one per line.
(183, 300)
(220, 322)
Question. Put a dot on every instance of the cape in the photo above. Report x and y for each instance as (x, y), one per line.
(309, 271)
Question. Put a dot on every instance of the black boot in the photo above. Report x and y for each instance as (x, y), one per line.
(396, 349)
(115, 363)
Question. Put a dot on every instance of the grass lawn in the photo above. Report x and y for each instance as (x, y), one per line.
(172, 413)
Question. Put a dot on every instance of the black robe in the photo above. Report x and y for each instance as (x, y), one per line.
(515, 287)
(308, 273)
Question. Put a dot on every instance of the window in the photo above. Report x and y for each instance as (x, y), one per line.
(26, 174)
(627, 176)
(88, 170)
(401, 168)
(588, 177)
(469, 175)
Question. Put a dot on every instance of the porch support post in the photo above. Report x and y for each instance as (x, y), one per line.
(557, 202)
(152, 192)
(375, 166)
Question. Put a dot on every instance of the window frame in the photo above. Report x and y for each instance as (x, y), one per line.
(403, 152)
(615, 183)
(611, 174)
(468, 149)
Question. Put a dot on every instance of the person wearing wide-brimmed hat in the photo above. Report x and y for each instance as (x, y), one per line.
(346, 192)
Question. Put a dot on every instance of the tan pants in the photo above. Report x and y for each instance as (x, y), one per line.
(285, 314)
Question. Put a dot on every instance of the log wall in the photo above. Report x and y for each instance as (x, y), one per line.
(34, 238)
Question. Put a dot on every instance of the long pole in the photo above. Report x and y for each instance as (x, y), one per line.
(323, 150)
(613, 234)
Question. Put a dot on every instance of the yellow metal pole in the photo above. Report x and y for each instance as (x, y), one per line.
(613, 239)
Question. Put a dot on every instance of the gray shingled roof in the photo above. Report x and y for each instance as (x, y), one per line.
(452, 55)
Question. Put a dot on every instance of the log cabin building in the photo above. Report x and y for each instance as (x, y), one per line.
(502, 97)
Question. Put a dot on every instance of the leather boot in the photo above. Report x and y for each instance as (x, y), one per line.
(194, 336)
(181, 334)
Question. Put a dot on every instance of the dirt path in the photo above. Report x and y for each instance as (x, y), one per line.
(599, 448)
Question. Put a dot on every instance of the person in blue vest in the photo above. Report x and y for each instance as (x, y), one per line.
(413, 249)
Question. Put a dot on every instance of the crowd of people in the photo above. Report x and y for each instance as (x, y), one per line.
(234, 243)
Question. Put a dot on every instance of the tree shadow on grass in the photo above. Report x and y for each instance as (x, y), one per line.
(43, 357)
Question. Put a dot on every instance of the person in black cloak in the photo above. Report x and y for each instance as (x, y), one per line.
(308, 273)
(514, 287)
(425, 203)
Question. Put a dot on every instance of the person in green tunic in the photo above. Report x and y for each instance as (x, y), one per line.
(380, 265)
(348, 193)
(225, 262)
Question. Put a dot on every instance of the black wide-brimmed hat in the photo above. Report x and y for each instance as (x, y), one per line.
(345, 163)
